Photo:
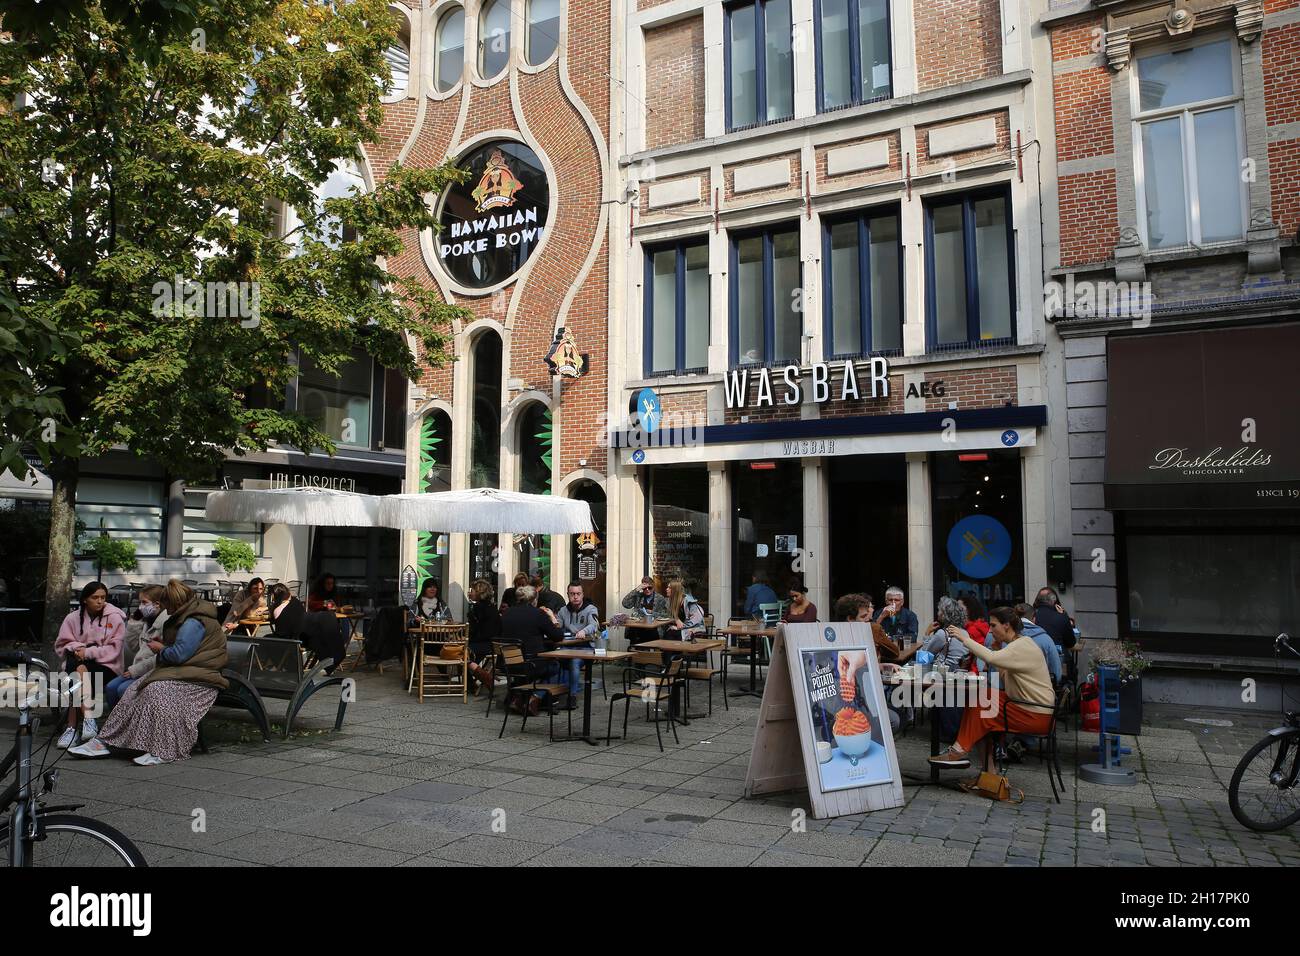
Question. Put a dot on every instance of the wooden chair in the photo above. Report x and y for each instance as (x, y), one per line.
(653, 685)
(521, 679)
(705, 671)
(738, 649)
(1048, 753)
(443, 676)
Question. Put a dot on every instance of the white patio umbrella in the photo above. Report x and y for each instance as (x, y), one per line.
(486, 510)
(303, 506)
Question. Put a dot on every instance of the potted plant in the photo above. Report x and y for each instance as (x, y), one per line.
(111, 554)
(234, 555)
(1127, 657)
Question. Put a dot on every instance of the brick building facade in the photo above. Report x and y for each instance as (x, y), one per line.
(1175, 180)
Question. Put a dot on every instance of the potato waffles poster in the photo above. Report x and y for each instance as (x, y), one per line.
(848, 732)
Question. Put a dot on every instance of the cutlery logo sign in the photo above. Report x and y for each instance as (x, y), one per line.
(650, 409)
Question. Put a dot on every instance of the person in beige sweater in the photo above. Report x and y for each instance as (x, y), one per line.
(1025, 703)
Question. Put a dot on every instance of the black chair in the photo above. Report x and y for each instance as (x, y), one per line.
(522, 682)
(653, 686)
(1048, 752)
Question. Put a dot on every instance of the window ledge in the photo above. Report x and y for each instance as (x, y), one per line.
(1227, 664)
(676, 382)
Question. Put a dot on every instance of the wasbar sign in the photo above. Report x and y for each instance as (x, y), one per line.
(871, 382)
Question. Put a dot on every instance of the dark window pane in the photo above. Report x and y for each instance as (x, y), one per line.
(543, 29)
(780, 59)
(992, 267)
(768, 505)
(339, 404)
(873, 28)
(663, 311)
(749, 286)
(679, 526)
(787, 296)
(978, 528)
(485, 448)
(394, 409)
(837, 82)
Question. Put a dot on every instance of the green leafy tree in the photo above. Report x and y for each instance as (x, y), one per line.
(124, 165)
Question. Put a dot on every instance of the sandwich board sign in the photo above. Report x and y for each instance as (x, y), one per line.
(823, 723)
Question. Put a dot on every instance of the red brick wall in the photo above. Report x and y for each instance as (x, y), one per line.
(1088, 218)
(562, 135)
(957, 41)
(1281, 55)
(973, 388)
(674, 82)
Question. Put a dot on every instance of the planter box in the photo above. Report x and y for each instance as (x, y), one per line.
(1130, 707)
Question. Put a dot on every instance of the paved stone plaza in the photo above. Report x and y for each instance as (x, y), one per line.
(410, 784)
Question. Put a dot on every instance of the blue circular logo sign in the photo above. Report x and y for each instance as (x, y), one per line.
(830, 635)
(1010, 437)
(979, 546)
(638, 456)
(649, 409)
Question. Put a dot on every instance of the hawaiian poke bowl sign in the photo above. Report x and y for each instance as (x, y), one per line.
(493, 221)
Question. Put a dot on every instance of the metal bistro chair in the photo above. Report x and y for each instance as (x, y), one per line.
(1048, 752)
(521, 680)
(705, 671)
(654, 686)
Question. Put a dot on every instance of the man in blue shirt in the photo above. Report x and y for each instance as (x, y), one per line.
(1042, 639)
(759, 593)
(896, 619)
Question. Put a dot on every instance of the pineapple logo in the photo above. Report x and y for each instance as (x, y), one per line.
(497, 186)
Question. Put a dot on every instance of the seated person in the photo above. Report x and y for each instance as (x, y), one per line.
(323, 595)
(1025, 703)
(685, 613)
(1049, 614)
(535, 629)
(940, 639)
(509, 596)
(645, 598)
(249, 602)
(898, 620)
(286, 612)
(545, 596)
(759, 592)
(801, 610)
(1043, 640)
(858, 607)
(428, 606)
(145, 627)
(579, 619)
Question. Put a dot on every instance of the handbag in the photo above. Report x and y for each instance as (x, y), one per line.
(994, 786)
(451, 652)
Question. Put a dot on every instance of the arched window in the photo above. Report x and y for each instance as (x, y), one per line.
(449, 56)
(398, 57)
(534, 444)
(494, 38)
(485, 446)
(543, 30)
(587, 554)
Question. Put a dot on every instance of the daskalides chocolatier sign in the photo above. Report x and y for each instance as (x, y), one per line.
(494, 221)
(1203, 419)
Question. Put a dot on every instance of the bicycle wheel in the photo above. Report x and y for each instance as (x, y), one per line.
(1263, 793)
(74, 841)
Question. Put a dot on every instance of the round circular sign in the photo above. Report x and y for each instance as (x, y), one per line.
(979, 546)
(650, 409)
(494, 221)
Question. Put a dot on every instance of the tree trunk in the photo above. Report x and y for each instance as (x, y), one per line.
(59, 566)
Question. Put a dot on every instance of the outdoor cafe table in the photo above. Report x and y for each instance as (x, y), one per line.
(636, 622)
(899, 678)
(740, 630)
(687, 649)
(588, 657)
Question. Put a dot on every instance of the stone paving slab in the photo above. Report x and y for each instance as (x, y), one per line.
(430, 784)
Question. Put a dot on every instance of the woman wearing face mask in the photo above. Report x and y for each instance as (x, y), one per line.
(90, 642)
(144, 627)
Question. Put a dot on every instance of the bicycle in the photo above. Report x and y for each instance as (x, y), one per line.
(63, 839)
(1263, 793)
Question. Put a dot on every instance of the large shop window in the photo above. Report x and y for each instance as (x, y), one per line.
(130, 510)
(543, 30)
(768, 527)
(364, 562)
(677, 308)
(978, 525)
(868, 524)
(970, 270)
(1209, 583)
(200, 534)
(494, 38)
(863, 264)
(340, 403)
(1188, 143)
(853, 65)
(678, 521)
(449, 54)
(588, 552)
(760, 63)
(766, 289)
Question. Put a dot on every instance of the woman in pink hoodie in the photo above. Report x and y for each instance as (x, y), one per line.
(90, 642)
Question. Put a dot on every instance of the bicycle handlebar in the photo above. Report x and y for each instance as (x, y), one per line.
(18, 658)
(1284, 640)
